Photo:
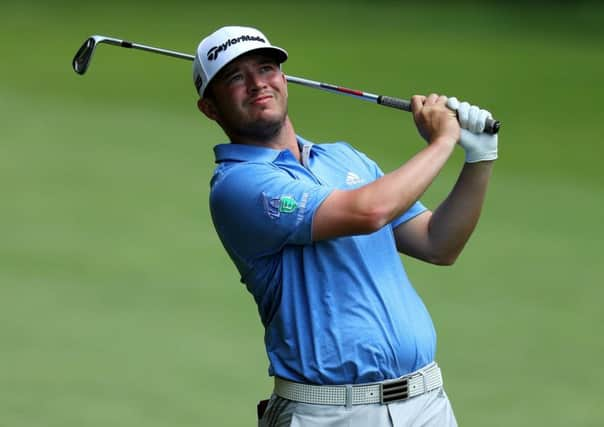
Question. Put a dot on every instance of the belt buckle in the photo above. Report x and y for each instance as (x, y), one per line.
(391, 391)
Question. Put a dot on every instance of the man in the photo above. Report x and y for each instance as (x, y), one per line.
(314, 232)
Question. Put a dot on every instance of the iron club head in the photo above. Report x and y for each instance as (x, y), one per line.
(82, 58)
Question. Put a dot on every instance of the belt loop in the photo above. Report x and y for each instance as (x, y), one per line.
(348, 396)
(422, 372)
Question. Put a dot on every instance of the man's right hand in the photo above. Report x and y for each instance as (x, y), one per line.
(434, 121)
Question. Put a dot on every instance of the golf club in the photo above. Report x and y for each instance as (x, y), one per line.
(82, 58)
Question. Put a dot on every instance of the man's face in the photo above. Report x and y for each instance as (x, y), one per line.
(249, 97)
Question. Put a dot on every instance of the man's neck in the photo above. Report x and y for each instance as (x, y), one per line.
(284, 139)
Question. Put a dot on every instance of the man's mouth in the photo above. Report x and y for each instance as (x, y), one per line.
(261, 100)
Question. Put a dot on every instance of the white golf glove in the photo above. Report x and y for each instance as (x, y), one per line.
(478, 146)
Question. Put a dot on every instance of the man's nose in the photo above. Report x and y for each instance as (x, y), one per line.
(255, 81)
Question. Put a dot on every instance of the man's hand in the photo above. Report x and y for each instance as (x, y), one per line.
(478, 146)
(433, 119)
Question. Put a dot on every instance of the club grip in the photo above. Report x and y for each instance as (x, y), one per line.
(491, 126)
(389, 101)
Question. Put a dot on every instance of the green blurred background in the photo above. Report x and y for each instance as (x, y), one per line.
(118, 305)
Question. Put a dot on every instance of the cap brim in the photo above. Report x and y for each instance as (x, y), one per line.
(276, 52)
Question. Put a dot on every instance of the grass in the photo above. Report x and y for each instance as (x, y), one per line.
(118, 302)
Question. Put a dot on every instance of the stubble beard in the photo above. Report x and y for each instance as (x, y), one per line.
(261, 130)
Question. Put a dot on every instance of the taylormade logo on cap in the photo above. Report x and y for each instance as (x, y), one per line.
(213, 52)
(224, 45)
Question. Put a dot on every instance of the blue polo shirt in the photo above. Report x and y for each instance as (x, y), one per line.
(339, 311)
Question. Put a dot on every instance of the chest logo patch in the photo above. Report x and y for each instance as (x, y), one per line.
(287, 204)
(353, 179)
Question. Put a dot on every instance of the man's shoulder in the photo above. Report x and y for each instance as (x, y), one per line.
(336, 145)
(340, 148)
(236, 173)
(343, 149)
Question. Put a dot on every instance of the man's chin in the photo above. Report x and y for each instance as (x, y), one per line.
(262, 129)
(266, 115)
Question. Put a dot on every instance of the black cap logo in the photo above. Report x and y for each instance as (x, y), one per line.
(214, 51)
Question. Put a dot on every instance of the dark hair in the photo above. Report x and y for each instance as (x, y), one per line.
(209, 92)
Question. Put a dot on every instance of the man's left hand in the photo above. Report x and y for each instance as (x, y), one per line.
(477, 145)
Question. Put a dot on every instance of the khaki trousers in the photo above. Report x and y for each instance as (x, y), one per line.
(431, 409)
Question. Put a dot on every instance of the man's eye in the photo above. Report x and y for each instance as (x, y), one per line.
(235, 78)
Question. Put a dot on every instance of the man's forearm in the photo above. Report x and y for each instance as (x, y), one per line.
(395, 192)
(453, 222)
(368, 208)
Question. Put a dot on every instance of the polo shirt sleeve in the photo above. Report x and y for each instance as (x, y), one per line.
(258, 208)
(415, 209)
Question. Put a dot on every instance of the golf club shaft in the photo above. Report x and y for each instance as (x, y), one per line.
(387, 101)
(401, 104)
(132, 45)
(491, 126)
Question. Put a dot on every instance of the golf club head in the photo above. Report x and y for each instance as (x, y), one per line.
(83, 56)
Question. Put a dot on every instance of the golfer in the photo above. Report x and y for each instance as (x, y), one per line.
(315, 231)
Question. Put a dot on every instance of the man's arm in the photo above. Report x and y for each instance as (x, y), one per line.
(369, 208)
(439, 237)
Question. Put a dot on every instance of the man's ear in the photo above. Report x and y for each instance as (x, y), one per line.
(285, 83)
(206, 106)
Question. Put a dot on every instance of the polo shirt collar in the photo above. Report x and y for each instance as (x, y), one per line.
(245, 153)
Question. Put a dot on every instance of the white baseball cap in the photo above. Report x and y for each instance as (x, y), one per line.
(224, 45)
